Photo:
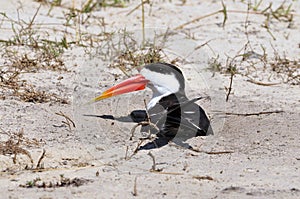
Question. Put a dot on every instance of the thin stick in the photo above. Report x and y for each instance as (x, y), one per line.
(153, 168)
(230, 86)
(145, 104)
(211, 152)
(143, 22)
(135, 150)
(217, 152)
(261, 83)
(137, 7)
(137, 147)
(204, 44)
(34, 16)
(197, 19)
(40, 159)
(134, 193)
(126, 153)
(68, 120)
(203, 177)
(258, 113)
(222, 11)
(166, 173)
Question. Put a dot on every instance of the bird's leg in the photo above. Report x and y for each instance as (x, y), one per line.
(144, 123)
(141, 124)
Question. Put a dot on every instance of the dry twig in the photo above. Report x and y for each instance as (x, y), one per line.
(153, 168)
(211, 152)
(153, 159)
(134, 193)
(257, 114)
(230, 86)
(203, 177)
(38, 165)
(261, 83)
(15, 145)
(68, 121)
(142, 124)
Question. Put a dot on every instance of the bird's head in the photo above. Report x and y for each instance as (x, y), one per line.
(161, 78)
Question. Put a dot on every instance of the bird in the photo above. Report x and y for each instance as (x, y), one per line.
(175, 116)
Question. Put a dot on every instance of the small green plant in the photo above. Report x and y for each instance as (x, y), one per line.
(214, 64)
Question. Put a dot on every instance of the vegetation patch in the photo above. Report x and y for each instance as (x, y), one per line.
(15, 143)
(62, 182)
(26, 51)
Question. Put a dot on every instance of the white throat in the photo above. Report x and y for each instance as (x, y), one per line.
(155, 100)
(161, 85)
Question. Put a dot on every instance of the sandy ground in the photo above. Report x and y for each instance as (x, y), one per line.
(256, 156)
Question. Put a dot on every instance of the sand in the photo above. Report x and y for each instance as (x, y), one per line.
(254, 153)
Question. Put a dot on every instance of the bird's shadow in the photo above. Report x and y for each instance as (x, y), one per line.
(138, 116)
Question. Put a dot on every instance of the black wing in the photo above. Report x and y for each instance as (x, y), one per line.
(180, 115)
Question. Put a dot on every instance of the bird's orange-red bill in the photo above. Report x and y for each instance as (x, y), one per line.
(135, 83)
